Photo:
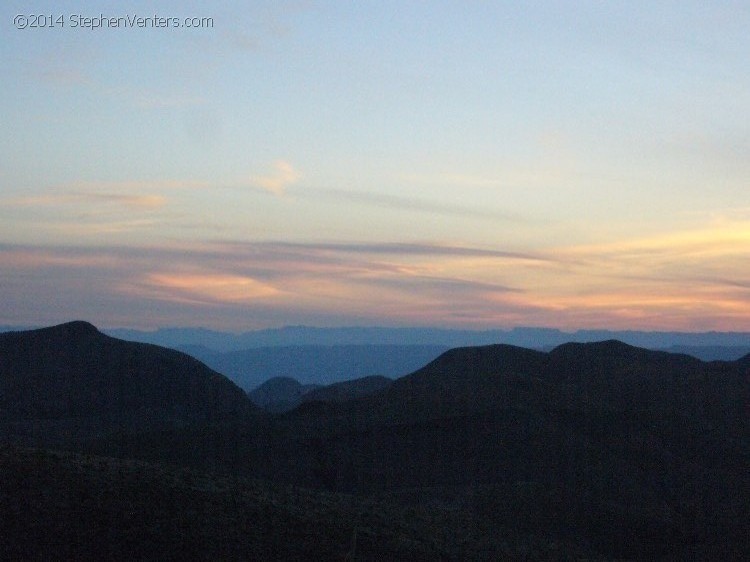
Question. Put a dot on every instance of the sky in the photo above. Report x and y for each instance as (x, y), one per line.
(464, 164)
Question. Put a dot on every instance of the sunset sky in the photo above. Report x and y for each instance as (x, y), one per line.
(457, 164)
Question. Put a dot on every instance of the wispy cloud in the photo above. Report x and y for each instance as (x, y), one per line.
(84, 211)
(205, 287)
(279, 179)
(129, 193)
(91, 226)
(135, 200)
(726, 239)
(400, 203)
(142, 201)
(128, 186)
(693, 280)
(392, 248)
(551, 161)
(298, 279)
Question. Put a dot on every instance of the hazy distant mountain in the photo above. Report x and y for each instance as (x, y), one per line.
(319, 364)
(280, 394)
(536, 338)
(712, 352)
(707, 346)
(71, 381)
(6, 328)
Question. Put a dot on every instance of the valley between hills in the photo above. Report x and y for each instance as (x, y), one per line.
(598, 450)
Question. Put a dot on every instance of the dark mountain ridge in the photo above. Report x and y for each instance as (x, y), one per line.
(283, 394)
(631, 452)
(348, 390)
(280, 394)
(621, 451)
(71, 380)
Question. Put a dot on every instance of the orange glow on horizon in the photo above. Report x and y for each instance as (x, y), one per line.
(213, 287)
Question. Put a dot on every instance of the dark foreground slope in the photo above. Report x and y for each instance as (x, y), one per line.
(64, 506)
(625, 452)
(70, 382)
(590, 450)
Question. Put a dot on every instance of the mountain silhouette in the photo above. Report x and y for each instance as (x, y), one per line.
(348, 390)
(280, 394)
(611, 450)
(72, 381)
(632, 452)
